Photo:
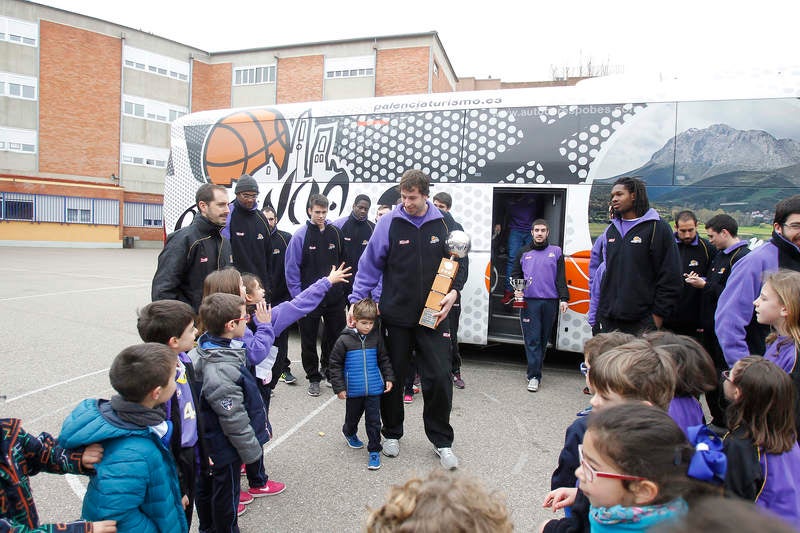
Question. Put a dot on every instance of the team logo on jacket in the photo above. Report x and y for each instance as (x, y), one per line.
(446, 334)
(312, 247)
(348, 239)
(364, 242)
(260, 237)
(226, 403)
(636, 240)
(204, 259)
(240, 234)
(693, 263)
(551, 254)
(434, 239)
(276, 251)
(404, 241)
(331, 246)
(612, 239)
(722, 270)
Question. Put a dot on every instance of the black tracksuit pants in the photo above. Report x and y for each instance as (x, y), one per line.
(433, 362)
(334, 321)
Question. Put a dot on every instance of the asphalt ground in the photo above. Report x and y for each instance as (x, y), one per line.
(65, 313)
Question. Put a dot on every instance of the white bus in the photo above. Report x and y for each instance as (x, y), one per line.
(711, 145)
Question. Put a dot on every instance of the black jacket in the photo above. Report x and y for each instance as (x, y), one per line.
(355, 236)
(643, 275)
(279, 241)
(248, 231)
(189, 255)
(695, 257)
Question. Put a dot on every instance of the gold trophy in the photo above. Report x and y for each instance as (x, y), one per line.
(458, 244)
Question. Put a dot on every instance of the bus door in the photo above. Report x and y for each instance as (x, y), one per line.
(546, 203)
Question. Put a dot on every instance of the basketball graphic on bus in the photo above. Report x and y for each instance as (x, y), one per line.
(243, 142)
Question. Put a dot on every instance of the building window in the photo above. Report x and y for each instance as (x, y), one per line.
(254, 75)
(18, 210)
(16, 140)
(79, 215)
(157, 64)
(349, 67)
(435, 69)
(18, 31)
(136, 110)
(352, 73)
(18, 90)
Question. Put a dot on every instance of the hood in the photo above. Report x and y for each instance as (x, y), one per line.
(432, 213)
(94, 421)
(650, 214)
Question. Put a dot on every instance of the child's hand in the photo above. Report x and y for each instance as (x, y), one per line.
(104, 526)
(560, 498)
(339, 275)
(342, 395)
(388, 386)
(92, 455)
(263, 312)
(185, 501)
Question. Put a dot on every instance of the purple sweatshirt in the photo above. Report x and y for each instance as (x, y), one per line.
(686, 411)
(597, 267)
(258, 344)
(783, 353)
(544, 270)
(735, 307)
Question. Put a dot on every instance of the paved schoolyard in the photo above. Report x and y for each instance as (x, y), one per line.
(65, 313)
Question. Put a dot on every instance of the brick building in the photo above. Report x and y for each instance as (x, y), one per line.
(85, 109)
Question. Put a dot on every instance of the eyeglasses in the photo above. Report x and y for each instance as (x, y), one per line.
(793, 226)
(584, 369)
(726, 375)
(245, 317)
(590, 473)
(248, 195)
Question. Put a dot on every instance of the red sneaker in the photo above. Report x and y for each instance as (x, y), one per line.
(270, 489)
(408, 398)
(507, 297)
(240, 510)
(245, 498)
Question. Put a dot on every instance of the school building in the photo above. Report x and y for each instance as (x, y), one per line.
(86, 106)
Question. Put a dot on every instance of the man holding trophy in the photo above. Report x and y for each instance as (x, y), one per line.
(540, 289)
(407, 250)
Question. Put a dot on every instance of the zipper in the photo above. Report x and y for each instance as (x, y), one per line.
(364, 356)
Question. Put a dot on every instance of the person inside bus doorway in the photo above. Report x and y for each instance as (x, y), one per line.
(541, 264)
(642, 281)
(520, 212)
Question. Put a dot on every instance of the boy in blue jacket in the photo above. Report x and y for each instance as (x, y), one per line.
(360, 372)
(136, 482)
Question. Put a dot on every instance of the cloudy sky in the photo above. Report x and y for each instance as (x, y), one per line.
(511, 40)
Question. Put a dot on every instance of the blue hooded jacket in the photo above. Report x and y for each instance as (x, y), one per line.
(136, 482)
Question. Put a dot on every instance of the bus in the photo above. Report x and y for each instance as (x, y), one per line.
(713, 144)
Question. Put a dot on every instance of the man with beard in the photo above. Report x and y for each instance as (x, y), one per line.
(738, 334)
(696, 255)
(248, 230)
(541, 264)
(193, 252)
(356, 232)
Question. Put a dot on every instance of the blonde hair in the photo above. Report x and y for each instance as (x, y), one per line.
(786, 284)
(440, 502)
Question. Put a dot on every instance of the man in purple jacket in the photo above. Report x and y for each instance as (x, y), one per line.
(405, 250)
(736, 330)
(541, 264)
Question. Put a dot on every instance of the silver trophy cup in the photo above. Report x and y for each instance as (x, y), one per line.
(519, 284)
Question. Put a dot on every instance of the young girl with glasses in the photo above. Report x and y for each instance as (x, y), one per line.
(761, 446)
(637, 468)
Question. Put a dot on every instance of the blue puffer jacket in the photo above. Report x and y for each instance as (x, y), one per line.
(136, 482)
(359, 364)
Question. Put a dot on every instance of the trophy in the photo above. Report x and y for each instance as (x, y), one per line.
(458, 244)
(519, 284)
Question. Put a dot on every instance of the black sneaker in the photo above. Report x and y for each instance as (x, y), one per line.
(288, 378)
(313, 388)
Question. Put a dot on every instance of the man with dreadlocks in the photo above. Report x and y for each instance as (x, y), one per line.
(642, 280)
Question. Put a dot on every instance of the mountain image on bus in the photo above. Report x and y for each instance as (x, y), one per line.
(712, 145)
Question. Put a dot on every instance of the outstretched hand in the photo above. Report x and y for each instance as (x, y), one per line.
(560, 498)
(263, 312)
(340, 274)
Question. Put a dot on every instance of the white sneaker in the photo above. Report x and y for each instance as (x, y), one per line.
(447, 458)
(391, 447)
(533, 385)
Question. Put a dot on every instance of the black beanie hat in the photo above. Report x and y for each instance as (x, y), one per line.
(246, 184)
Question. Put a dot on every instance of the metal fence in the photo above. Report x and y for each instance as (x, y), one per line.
(62, 209)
